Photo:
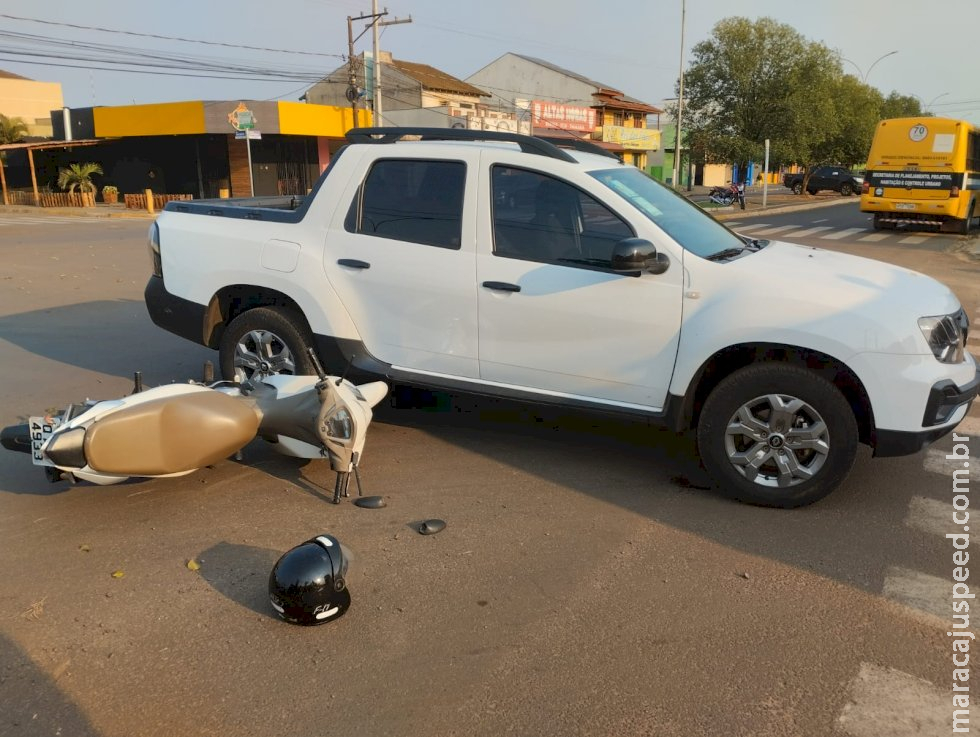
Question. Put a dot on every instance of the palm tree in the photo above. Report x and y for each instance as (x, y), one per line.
(12, 129)
(78, 175)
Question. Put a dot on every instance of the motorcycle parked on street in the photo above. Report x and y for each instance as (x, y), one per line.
(727, 195)
(175, 429)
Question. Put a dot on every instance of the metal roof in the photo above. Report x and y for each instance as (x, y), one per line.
(433, 79)
(36, 145)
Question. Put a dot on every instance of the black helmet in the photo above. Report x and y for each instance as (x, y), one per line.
(308, 584)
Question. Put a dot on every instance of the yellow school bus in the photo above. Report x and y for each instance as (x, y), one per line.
(923, 172)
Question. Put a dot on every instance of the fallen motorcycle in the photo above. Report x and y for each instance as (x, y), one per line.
(174, 429)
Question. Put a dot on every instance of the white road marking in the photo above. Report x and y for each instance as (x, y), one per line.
(821, 220)
(875, 237)
(810, 231)
(753, 226)
(912, 239)
(937, 462)
(778, 229)
(928, 597)
(842, 234)
(885, 701)
(933, 516)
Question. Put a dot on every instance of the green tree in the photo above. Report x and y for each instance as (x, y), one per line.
(901, 106)
(12, 130)
(754, 80)
(78, 175)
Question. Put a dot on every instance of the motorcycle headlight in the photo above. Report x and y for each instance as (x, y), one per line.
(340, 425)
(946, 335)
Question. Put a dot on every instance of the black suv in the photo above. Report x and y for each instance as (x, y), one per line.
(837, 178)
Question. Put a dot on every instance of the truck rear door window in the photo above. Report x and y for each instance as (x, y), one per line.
(412, 200)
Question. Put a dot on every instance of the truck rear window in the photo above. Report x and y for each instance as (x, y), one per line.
(413, 200)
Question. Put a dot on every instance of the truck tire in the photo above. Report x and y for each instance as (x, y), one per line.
(265, 341)
(846, 189)
(798, 188)
(777, 435)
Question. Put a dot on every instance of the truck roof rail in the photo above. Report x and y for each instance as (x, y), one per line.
(578, 144)
(528, 144)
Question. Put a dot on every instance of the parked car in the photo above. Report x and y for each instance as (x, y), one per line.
(836, 178)
(502, 265)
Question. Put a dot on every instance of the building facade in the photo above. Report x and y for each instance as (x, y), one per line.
(560, 102)
(31, 101)
(414, 94)
(195, 147)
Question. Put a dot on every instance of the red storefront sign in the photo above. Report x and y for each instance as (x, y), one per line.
(555, 115)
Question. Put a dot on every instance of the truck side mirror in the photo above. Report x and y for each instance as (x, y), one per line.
(633, 255)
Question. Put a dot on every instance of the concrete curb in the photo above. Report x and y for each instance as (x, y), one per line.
(780, 209)
(77, 212)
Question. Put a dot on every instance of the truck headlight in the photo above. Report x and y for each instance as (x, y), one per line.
(153, 241)
(946, 335)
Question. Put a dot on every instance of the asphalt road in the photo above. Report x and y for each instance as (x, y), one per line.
(585, 584)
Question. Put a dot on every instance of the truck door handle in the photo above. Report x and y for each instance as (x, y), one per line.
(354, 263)
(501, 286)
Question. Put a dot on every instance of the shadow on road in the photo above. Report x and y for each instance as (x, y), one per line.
(32, 702)
(113, 337)
(240, 573)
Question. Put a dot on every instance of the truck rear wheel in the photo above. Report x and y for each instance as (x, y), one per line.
(798, 188)
(777, 435)
(265, 341)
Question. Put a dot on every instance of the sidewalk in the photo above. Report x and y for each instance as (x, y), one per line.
(778, 200)
(99, 211)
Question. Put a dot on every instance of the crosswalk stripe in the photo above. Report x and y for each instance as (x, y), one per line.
(933, 516)
(928, 597)
(937, 462)
(837, 235)
(885, 701)
(778, 229)
(810, 231)
(753, 226)
(912, 239)
(875, 237)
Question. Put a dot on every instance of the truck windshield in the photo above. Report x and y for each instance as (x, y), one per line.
(686, 223)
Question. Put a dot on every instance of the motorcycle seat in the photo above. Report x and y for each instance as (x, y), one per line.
(170, 435)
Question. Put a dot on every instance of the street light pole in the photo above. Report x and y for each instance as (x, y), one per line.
(864, 76)
(680, 102)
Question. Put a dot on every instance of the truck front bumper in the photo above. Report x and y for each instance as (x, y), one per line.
(945, 402)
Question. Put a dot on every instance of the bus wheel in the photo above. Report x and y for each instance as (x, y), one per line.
(878, 225)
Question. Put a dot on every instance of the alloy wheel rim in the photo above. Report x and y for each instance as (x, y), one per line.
(261, 353)
(777, 441)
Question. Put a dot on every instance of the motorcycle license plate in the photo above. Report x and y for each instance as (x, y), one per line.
(904, 206)
(41, 429)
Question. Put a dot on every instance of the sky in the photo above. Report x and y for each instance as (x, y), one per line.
(635, 47)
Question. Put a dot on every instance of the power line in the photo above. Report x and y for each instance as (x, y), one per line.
(164, 38)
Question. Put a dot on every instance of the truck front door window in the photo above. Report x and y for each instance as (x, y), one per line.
(413, 200)
(540, 218)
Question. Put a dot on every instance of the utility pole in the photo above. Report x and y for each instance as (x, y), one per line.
(377, 23)
(680, 102)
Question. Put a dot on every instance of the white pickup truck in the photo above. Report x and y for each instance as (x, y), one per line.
(505, 265)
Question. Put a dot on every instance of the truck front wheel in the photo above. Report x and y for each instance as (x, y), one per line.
(777, 435)
(265, 341)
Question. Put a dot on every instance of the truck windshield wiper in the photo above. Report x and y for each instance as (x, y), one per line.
(726, 254)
